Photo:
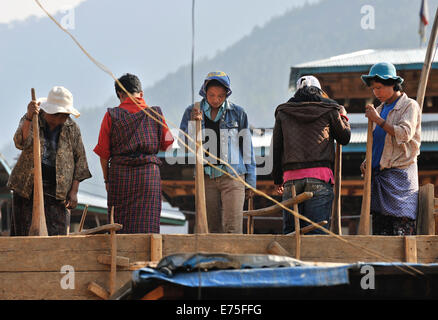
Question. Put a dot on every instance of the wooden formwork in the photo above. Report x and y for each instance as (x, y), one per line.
(31, 267)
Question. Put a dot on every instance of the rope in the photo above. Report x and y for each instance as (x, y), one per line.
(236, 177)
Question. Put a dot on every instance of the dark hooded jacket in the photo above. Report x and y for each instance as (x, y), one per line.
(304, 135)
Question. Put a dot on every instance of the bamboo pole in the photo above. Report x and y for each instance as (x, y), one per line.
(38, 225)
(335, 225)
(364, 223)
(201, 210)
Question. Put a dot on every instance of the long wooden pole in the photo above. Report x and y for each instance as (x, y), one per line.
(297, 227)
(423, 224)
(430, 53)
(335, 225)
(38, 225)
(364, 223)
(201, 210)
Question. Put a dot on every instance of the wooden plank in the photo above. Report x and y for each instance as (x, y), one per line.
(322, 248)
(275, 248)
(411, 249)
(426, 204)
(47, 285)
(120, 261)
(155, 294)
(98, 290)
(101, 229)
(31, 253)
(276, 208)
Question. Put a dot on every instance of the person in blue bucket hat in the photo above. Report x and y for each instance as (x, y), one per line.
(227, 136)
(396, 146)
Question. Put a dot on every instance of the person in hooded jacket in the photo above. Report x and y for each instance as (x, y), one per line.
(303, 150)
(226, 136)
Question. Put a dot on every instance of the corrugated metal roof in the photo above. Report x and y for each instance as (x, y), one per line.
(403, 59)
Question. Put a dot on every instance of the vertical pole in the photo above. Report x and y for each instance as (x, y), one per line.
(38, 225)
(364, 223)
(297, 226)
(335, 225)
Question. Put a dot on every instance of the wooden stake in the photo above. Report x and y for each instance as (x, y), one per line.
(84, 214)
(250, 221)
(38, 225)
(364, 223)
(201, 209)
(335, 225)
(309, 228)
(113, 256)
(297, 226)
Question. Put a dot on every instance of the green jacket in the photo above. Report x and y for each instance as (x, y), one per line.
(71, 160)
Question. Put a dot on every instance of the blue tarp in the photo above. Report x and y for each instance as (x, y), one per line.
(251, 278)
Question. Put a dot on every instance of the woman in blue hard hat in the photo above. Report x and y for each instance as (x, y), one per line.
(396, 145)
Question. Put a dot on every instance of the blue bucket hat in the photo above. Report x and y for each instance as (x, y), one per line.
(381, 70)
(220, 76)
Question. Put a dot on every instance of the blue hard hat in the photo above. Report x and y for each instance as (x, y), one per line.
(220, 76)
(381, 70)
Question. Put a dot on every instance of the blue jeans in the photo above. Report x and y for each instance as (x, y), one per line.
(317, 209)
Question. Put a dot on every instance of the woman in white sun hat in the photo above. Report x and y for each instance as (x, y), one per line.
(63, 162)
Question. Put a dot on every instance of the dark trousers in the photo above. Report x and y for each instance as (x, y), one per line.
(317, 208)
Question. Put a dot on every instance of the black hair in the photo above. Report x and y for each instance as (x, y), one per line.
(215, 83)
(388, 82)
(131, 83)
(310, 94)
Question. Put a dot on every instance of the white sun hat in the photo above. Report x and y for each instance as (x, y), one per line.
(59, 100)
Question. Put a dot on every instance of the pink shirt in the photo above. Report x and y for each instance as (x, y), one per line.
(322, 173)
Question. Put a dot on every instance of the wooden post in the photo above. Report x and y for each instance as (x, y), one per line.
(364, 223)
(113, 256)
(38, 225)
(201, 210)
(421, 91)
(425, 214)
(250, 221)
(335, 225)
(297, 226)
(411, 249)
(156, 247)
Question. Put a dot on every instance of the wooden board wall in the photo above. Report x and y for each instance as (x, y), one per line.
(30, 267)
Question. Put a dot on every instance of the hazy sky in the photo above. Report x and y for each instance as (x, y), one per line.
(18, 10)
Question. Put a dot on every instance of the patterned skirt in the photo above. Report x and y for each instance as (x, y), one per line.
(394, 192)
(135, 193)
(394, 200)
(57, 216)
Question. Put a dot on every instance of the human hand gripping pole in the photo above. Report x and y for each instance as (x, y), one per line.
(38, 226)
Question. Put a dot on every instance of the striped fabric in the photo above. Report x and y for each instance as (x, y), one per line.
(394, 192)
(134, 174)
